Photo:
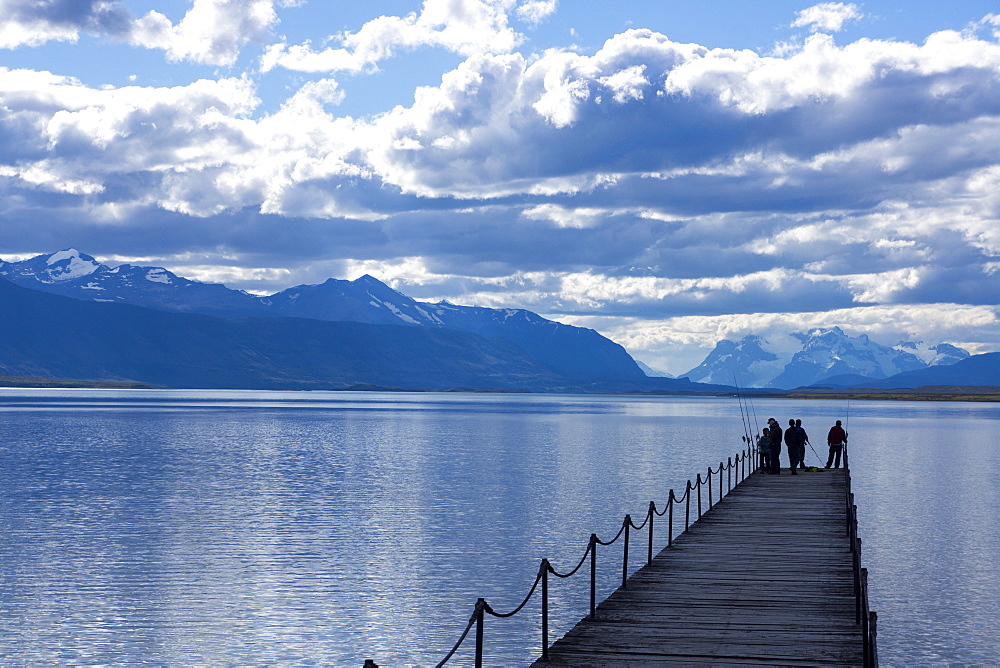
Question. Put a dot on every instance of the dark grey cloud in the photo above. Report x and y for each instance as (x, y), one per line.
(100, 16)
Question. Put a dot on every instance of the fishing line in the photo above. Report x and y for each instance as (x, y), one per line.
(755, 424)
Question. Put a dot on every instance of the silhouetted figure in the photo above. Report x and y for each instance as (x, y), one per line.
(775, 446)
(792, 442)
(836, 440)
(802, 445)
(764, 449)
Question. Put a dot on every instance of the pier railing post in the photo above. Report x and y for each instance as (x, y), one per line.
(687, 506)
(699, 495)
(593, 575)
(480, 613)
(710, 484)
(865, 618)
(729, 475)
(545, 608)
(649, 550)
(628, 524)
(857, 581)
(873, 638)
(670, 519)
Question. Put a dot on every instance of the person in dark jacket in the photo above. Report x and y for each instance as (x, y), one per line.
(793, 439)
(802, 446)
(836, 440)
(775, 446)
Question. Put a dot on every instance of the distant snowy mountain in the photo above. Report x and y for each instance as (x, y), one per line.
(748, 362)
(807, 358)
(572, 352)
(71, 273)
(651, 372)
(943, 354)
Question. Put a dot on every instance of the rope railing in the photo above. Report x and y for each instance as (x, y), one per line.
(863, 616)
(734, 467)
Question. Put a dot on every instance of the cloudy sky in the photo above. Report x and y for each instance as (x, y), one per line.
(668, 172)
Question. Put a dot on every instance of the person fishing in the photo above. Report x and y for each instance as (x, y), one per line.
(836, 440)
(775, 453)
(803, 440)
(793, 444)
(764, 449)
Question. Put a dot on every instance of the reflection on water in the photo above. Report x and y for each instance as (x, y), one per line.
(288, 527)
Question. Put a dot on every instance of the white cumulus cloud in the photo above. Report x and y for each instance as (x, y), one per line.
(536, 11)
(465, 27)
(826, 16)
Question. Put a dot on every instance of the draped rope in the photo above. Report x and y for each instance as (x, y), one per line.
(483, 607)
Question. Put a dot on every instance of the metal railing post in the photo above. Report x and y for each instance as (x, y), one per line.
(857, 581)
(545, 609)
(480, 613)
(593, 575)
(710, 484)
(699, 495)
(687, 506)
(865, 617)
(670, 519)
(850, 516)
(628, 524)
(729, 472)
(873, 638)
(649, 551)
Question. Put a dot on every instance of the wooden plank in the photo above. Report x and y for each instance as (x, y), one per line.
(764, 577)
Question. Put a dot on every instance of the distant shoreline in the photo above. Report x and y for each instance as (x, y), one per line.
(925, 393)
(59, 384)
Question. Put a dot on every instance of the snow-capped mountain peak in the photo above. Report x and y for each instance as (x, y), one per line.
(67, 265)
(938, 355)
(817, 354)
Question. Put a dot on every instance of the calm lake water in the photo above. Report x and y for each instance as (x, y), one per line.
(205, 527)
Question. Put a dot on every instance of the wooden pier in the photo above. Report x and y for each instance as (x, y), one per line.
(766, 577)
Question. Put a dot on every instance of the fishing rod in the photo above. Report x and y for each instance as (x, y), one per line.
(743, 418)
(847, 431)
(756, 426)
(815, 453)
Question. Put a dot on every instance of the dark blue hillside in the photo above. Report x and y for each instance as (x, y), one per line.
(976, 370)
(572, 352)
(52, 336)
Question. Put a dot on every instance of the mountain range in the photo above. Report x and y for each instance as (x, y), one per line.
(54, 336)
(68, 316)
(827, 357)
(570, 352)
